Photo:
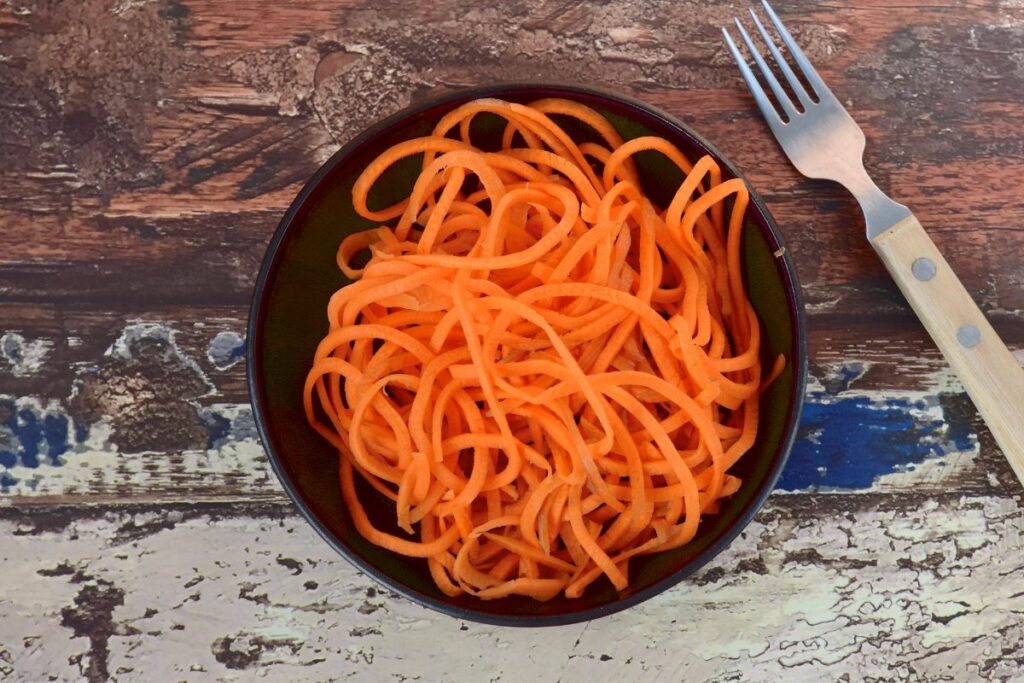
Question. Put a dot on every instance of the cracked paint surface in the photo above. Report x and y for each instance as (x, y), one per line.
(925, 592)
(23, 357)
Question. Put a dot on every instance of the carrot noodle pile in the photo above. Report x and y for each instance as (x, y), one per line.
(545, 372)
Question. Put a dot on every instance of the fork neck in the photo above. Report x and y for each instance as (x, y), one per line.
(880, 212)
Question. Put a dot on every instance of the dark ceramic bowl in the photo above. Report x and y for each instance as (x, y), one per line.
(288, 319)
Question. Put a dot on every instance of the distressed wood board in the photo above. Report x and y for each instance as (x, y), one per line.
(818, 588)
(147, 151)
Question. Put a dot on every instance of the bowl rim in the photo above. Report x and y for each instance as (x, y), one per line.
(268, 265)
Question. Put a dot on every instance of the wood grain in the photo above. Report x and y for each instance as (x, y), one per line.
(227, 129)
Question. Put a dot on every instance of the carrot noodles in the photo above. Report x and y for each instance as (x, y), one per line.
(545, 373)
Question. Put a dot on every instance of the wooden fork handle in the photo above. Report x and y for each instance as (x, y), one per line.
(992, 376)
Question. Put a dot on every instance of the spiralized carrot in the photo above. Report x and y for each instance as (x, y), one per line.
(547, 374)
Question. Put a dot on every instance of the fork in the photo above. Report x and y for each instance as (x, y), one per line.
(823, 141)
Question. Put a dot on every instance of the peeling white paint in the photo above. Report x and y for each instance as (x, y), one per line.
(796, 598)
(929, 471)
(24, 357)
(823, 306)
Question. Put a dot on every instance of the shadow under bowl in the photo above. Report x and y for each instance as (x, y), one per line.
(287, 320)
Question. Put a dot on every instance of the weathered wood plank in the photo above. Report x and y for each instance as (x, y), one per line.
(127, 407)
(76, 339)
(149, 405)
(847, 588)
(70, 340)
(175, 198)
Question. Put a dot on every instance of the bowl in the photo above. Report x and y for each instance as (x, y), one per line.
(287, 320)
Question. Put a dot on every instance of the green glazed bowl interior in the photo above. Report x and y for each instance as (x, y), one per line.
(288, 319)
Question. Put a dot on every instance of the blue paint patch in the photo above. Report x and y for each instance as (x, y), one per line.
(56, 433)
(30, 437)
(226, 349)
(227, 424)
(243, 426)
(217, 426)
(848, 442)
(27, 430)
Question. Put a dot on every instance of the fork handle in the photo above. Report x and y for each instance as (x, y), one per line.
(992, 376)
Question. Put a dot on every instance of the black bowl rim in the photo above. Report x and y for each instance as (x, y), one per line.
(256, 314)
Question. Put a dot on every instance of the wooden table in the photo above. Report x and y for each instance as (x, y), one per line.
(148, 151)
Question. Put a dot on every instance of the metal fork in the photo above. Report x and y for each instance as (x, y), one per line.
(823, 141)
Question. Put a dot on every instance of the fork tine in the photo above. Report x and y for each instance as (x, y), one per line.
(798, 55)
(766, 72)
(763, 103)
(791, 78)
